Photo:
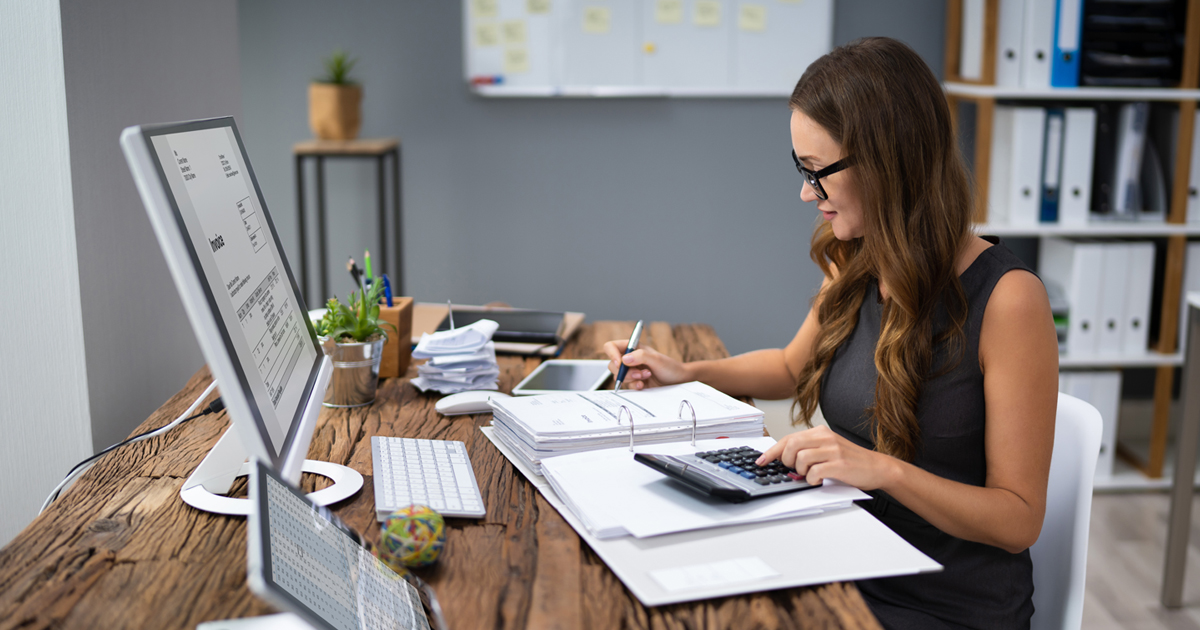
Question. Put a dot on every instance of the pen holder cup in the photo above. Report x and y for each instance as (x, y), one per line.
(355, 374)
(397, 352)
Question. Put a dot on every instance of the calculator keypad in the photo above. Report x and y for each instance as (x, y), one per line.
(739, 461)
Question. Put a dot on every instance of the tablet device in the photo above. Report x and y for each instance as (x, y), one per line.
(563, 375)
(516, 325)
(304, 560)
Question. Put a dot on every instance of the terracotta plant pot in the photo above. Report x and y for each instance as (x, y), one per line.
(334, 111)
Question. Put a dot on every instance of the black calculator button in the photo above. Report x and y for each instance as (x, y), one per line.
(762, 481)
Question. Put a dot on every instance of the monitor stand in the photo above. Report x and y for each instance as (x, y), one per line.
(227, 461)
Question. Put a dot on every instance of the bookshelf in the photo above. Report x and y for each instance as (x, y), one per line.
(1165, 356)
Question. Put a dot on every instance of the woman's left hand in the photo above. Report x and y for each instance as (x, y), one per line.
(818, 454)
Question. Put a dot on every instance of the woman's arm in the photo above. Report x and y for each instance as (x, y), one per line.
(1018, 352)
(769, 374)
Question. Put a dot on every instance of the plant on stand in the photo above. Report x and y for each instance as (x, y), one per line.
(353, 335)
(335, 100)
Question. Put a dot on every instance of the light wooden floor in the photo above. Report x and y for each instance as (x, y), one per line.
(1125, 555)
(1125, 565)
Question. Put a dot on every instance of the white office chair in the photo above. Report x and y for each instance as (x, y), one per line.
(1060, 553)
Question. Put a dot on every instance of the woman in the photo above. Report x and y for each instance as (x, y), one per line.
(931, 351)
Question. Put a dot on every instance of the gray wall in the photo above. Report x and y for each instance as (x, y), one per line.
(132, 62)
(677, 210)
(77, 246)
(43, 386)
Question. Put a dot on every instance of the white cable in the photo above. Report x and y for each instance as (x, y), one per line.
(66, 483)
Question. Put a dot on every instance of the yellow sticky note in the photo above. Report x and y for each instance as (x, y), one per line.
(487, 35)
(514, 32)
(597, 20)
(516, 60)
(537, 7)
(708, 13)
(752, 17)
(668, 11)
(485, 8)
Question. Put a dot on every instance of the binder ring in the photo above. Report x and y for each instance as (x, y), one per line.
(625, 410)
(693, 410)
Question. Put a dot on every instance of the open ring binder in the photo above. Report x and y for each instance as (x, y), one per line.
(625, 410)
(693, 410)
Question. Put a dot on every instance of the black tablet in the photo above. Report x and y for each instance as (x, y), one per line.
(516, 326)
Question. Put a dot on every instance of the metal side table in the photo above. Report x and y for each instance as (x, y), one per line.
(1183, 488)
(370, 148)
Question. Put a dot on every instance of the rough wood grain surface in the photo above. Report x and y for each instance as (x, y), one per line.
(121, 550)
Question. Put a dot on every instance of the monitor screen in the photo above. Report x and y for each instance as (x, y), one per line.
(245, 277)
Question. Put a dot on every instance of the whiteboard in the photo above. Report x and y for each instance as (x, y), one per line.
(642, 47)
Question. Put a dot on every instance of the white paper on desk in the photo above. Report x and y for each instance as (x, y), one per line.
(463, 340)
(569, 415)
(710, 574)
(647, 503)
(425, 384)
(484, 355)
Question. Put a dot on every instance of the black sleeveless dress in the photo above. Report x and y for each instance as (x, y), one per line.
(982, 586)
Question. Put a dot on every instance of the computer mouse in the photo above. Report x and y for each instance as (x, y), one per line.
(475, 401)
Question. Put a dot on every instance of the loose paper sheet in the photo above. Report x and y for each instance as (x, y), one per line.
(713, 574)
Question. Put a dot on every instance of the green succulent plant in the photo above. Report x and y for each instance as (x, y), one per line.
(355, 322)
(337, 68)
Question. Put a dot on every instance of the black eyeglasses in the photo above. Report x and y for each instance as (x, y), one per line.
(814, 177)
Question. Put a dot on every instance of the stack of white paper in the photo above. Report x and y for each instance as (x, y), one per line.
(459, 359)
(537, 427)
(616, 496)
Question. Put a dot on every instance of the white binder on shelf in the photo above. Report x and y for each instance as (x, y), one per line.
(1193, 200)
(970, 56)
(1114, 281)
(1079, 144)
(1135, 339)
(1008, 44)
(1000, 168)
(1025, 185)
(1131, 143)
(1037, 45)
(1191, 282)
(1075, 266)
(1102, 390)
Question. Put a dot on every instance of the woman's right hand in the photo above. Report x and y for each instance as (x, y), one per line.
(647, 366)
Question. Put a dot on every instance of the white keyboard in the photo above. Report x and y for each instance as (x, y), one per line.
(435, 473)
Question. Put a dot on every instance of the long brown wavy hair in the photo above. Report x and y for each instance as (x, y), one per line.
(883, 105)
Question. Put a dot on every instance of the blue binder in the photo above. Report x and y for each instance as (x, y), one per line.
(1068, 30)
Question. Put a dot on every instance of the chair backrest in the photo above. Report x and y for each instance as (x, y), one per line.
(1060, 553)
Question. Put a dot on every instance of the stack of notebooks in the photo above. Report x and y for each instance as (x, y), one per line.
(537, 427)
(459, 360)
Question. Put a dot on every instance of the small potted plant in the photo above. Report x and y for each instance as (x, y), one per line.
(335, 100)
(353, 336)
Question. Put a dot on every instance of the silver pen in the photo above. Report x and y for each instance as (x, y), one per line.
(633, 344)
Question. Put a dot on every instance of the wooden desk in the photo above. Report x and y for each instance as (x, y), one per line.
(121, 550)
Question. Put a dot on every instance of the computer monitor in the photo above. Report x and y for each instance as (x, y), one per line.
(239, 293)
